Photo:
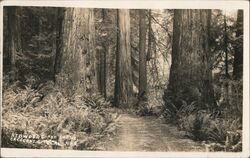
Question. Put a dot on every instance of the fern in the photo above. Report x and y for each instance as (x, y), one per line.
(56, 114)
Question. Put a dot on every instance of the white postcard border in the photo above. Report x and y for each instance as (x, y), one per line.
(139, 4)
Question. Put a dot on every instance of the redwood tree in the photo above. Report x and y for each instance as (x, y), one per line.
(102, 57)
(149, 52)
(76, 69)
(142, 55)
(123, 78)
(191, 70)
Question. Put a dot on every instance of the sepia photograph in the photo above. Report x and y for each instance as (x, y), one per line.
(123, 79)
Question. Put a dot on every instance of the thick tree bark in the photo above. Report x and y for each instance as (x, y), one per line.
(101, 66)
(117, 63)
(14, 40)
(123, 78)
(102, 61)
(76, 69)
(91, 74)
(190, 73)
(238, 54)
(142, 56)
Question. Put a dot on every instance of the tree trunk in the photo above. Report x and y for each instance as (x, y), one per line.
(225, 47)
(6, 39)
(149, 53)
(238, 54)
(117, 63)
(101, 74)
(226, 60)
(58, 27)
(76, 69)
(14, 40)
(123, 78)
(102, 61)
(91, 74)
(142, 56)
(190, 73)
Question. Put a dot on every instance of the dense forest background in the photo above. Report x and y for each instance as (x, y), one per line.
(70, 71)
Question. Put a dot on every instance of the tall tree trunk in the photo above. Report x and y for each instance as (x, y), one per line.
(105, 66)
(102, 61)
(14, 40)
(6, 39)
(101, 74)
(59, 40)
(190, 73)
(238, 54)
(117, 63)
(149, 52)
(91, 74)
(226, 59)
(225, 47)
(76, 69)
(123, 78)
(142, 56)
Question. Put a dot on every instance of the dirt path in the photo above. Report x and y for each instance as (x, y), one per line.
(148, 134)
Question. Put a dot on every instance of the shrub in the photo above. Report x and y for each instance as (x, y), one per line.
(226, 133)
(53, 114)
(195, 124)
(220, 127)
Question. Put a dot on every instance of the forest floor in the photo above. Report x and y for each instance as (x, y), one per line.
(147, 133)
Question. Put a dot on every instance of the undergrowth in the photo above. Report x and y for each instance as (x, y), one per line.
(46, 111)
(153, 105)
(220, 129)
